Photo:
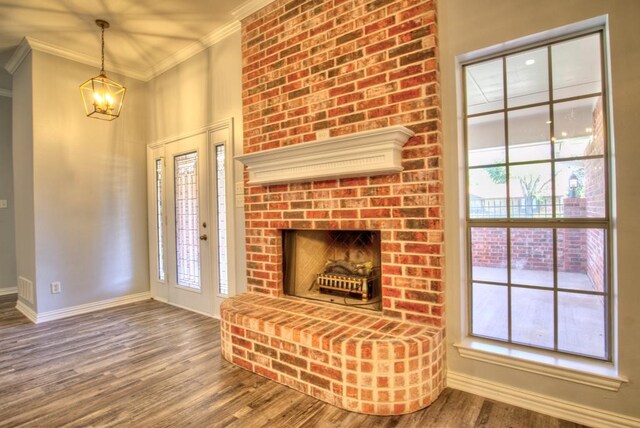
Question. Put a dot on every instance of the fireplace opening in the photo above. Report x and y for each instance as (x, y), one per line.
(335, 266)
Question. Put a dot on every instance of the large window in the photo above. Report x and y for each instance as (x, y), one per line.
(537, 197)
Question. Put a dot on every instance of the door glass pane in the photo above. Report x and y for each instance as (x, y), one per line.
(533, 317)
(532, 256)
(530, 191)
(527, 78)
(578, 128)
(580, 188)
(577, 68)
(484, 86)
(529, 134)
(488, 192)
(160, 218)
(187, 220)
(485, 139)
(582, 324)
(490, 311)
(489, 254)
(223, 277)
(581, 259)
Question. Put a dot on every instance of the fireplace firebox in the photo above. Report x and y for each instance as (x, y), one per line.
(335, 266)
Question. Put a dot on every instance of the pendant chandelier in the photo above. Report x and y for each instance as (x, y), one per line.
(102, 97)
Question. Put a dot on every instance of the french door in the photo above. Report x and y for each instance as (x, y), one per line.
(188, 222)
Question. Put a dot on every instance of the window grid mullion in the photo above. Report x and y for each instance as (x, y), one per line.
(508, 195)
(555, 289)
(533, 162)
(604, 89)
(538, 104)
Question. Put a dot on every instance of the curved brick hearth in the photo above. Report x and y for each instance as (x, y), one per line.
(354, 360)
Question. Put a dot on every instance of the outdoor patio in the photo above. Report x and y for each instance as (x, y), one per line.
(581, 317)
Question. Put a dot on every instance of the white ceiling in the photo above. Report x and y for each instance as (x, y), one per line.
(576, 71)
(146, 36)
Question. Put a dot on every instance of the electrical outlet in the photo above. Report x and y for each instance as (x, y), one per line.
(239, 188)
(3, 203)
(56, 287)
(239, 201)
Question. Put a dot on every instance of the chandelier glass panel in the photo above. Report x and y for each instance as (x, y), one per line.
(101, 96)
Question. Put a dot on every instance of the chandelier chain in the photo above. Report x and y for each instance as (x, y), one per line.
(102, 66)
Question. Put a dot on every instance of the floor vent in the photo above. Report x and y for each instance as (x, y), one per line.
(25, 289)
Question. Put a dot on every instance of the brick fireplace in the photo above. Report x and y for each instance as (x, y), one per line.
(316, 71)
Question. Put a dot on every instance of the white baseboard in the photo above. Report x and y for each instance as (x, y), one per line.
(539, 403)
(81, 309)
(27, 311)
(8, 290)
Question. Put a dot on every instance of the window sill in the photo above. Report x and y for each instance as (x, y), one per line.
(593, 373)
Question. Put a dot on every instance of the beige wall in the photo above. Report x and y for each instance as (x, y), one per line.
(467, 26)
(197, 92)
(82, 218)
(5, 76)
(81, 214)
(203, 90)
(8, 277)
(22, 144)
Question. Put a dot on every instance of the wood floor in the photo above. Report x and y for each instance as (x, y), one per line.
(149, 364)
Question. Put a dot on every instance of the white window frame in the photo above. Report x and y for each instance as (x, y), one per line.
(599, 374)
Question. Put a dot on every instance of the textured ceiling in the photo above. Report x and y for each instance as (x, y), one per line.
(143, 35)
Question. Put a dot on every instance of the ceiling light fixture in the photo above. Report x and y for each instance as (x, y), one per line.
(102, 97)
(530, 61)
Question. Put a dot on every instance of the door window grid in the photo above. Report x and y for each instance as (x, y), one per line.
(528, 185)
(187, 221)
(160, 218)
(223, 277)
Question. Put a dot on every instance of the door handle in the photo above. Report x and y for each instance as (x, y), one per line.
(203, 237)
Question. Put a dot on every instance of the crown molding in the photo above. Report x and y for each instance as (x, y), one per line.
(249, 7)
(193, 49)
(29, 43)
(18, 56)
(6, 93)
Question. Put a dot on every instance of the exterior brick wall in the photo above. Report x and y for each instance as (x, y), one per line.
(532, 249)
(349, 66)
(596, 197)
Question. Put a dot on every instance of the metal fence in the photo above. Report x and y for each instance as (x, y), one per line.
(518, 207)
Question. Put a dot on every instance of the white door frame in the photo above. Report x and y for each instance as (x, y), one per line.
(217, 133)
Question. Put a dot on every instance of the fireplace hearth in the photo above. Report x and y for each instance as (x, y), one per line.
(335, 266)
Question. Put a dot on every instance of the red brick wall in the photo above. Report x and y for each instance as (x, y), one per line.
(349, 66)
(596, 197)
(531, 249)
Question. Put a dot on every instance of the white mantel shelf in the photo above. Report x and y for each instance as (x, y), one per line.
(368, 153)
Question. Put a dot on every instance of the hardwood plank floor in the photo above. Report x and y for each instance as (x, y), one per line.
(148, 364)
